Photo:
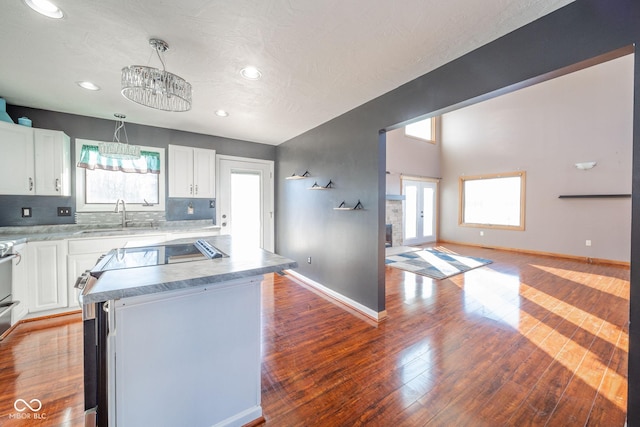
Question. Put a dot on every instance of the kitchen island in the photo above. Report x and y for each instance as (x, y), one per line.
(178, 343)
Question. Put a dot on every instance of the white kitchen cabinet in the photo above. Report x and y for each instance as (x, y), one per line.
(191, 172)
(16, 162)
(19, 283)
(34, 161)
(47, 275)
(52, 158)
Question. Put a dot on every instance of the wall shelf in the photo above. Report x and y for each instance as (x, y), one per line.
(315, 186)
(594, 196)
(305, 175)
(343, 207)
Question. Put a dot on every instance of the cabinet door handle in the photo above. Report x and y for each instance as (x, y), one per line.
(196, 188)
(57, 184)
(30, 184)
(191, 189)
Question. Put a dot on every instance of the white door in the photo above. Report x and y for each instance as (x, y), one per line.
(245, 200)
(419, 211)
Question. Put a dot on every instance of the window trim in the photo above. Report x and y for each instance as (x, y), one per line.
(81, 206)
(434, 133)
(523, 197)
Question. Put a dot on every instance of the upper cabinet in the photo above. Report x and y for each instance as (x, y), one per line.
(52, 158)
(191, 172)
(34, 161)
(16, 161)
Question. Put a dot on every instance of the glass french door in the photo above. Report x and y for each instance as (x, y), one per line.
(419, 211)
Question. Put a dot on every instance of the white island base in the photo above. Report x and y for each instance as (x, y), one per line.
(187, 357)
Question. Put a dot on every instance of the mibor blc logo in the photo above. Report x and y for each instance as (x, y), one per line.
(28, 410)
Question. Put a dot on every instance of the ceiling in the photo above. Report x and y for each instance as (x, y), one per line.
(319, 59)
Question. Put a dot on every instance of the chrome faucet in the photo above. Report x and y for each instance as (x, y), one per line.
(124, 211)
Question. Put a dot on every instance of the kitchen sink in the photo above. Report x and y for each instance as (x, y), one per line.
(113, 231)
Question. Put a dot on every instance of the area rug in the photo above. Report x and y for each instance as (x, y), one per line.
(434, 264)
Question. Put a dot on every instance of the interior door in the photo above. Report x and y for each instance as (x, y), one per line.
(245, 200)
(419, 211)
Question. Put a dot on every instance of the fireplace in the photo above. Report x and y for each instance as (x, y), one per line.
(389, 236)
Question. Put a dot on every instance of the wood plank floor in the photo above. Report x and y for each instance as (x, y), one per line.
(526, 340)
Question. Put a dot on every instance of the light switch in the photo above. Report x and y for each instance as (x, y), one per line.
(26, 212)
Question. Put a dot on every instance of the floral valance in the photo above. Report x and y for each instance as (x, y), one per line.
(90, 158)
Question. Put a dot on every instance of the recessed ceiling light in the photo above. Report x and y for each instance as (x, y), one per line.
(221, 113)
(45, 7)
(250, 73)
(88, 85)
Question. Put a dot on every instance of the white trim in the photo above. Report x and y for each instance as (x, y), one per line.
(245, 417)
(377, 316)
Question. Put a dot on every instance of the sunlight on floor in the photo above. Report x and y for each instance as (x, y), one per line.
(417, 287)
(493, 295)
(573, 356)
(593, 281)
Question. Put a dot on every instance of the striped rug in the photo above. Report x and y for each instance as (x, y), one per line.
(433, 263)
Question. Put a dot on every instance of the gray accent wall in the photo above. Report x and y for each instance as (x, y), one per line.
(349, 147)
(83, 127)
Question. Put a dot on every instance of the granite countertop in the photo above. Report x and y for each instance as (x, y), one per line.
(70, 231)
(242, 262)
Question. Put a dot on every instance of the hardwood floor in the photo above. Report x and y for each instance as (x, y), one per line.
(526, 340)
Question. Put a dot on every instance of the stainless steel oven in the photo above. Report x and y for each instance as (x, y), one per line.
(6, 284)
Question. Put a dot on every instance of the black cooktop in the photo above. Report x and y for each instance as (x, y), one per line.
(157, 255)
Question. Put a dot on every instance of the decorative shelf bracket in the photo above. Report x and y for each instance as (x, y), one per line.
(315, 186)
(303, 176)
(343, 207)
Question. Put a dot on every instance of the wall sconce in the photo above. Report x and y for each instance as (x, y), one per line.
(585, 165)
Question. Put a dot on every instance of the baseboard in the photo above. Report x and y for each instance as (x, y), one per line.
(338, 297)
(600, 261)
(47, 315)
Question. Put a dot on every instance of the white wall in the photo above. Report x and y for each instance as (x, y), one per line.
(409, 156)
(544, 130)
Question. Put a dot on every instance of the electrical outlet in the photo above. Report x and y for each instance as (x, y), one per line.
(588, 243)
(482, 233)
(64, 211)
(212, 204)
(309, 260)
(26, 212)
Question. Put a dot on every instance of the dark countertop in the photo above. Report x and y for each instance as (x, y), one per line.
(242, 262)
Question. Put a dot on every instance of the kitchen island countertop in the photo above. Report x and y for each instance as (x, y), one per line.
(242, 262)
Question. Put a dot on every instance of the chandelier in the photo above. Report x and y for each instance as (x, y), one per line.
(117, 149)
(156, 88)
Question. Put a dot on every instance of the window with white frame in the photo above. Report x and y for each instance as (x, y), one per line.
(493, 201)
(101, 182)
(423, 129)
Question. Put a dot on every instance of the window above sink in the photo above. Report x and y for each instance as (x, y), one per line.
(98, 189)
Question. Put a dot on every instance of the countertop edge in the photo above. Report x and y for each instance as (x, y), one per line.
(183, 284)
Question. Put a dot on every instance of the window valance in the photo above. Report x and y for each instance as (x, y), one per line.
(90, 158)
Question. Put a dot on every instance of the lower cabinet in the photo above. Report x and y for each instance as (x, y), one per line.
(47, 275)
